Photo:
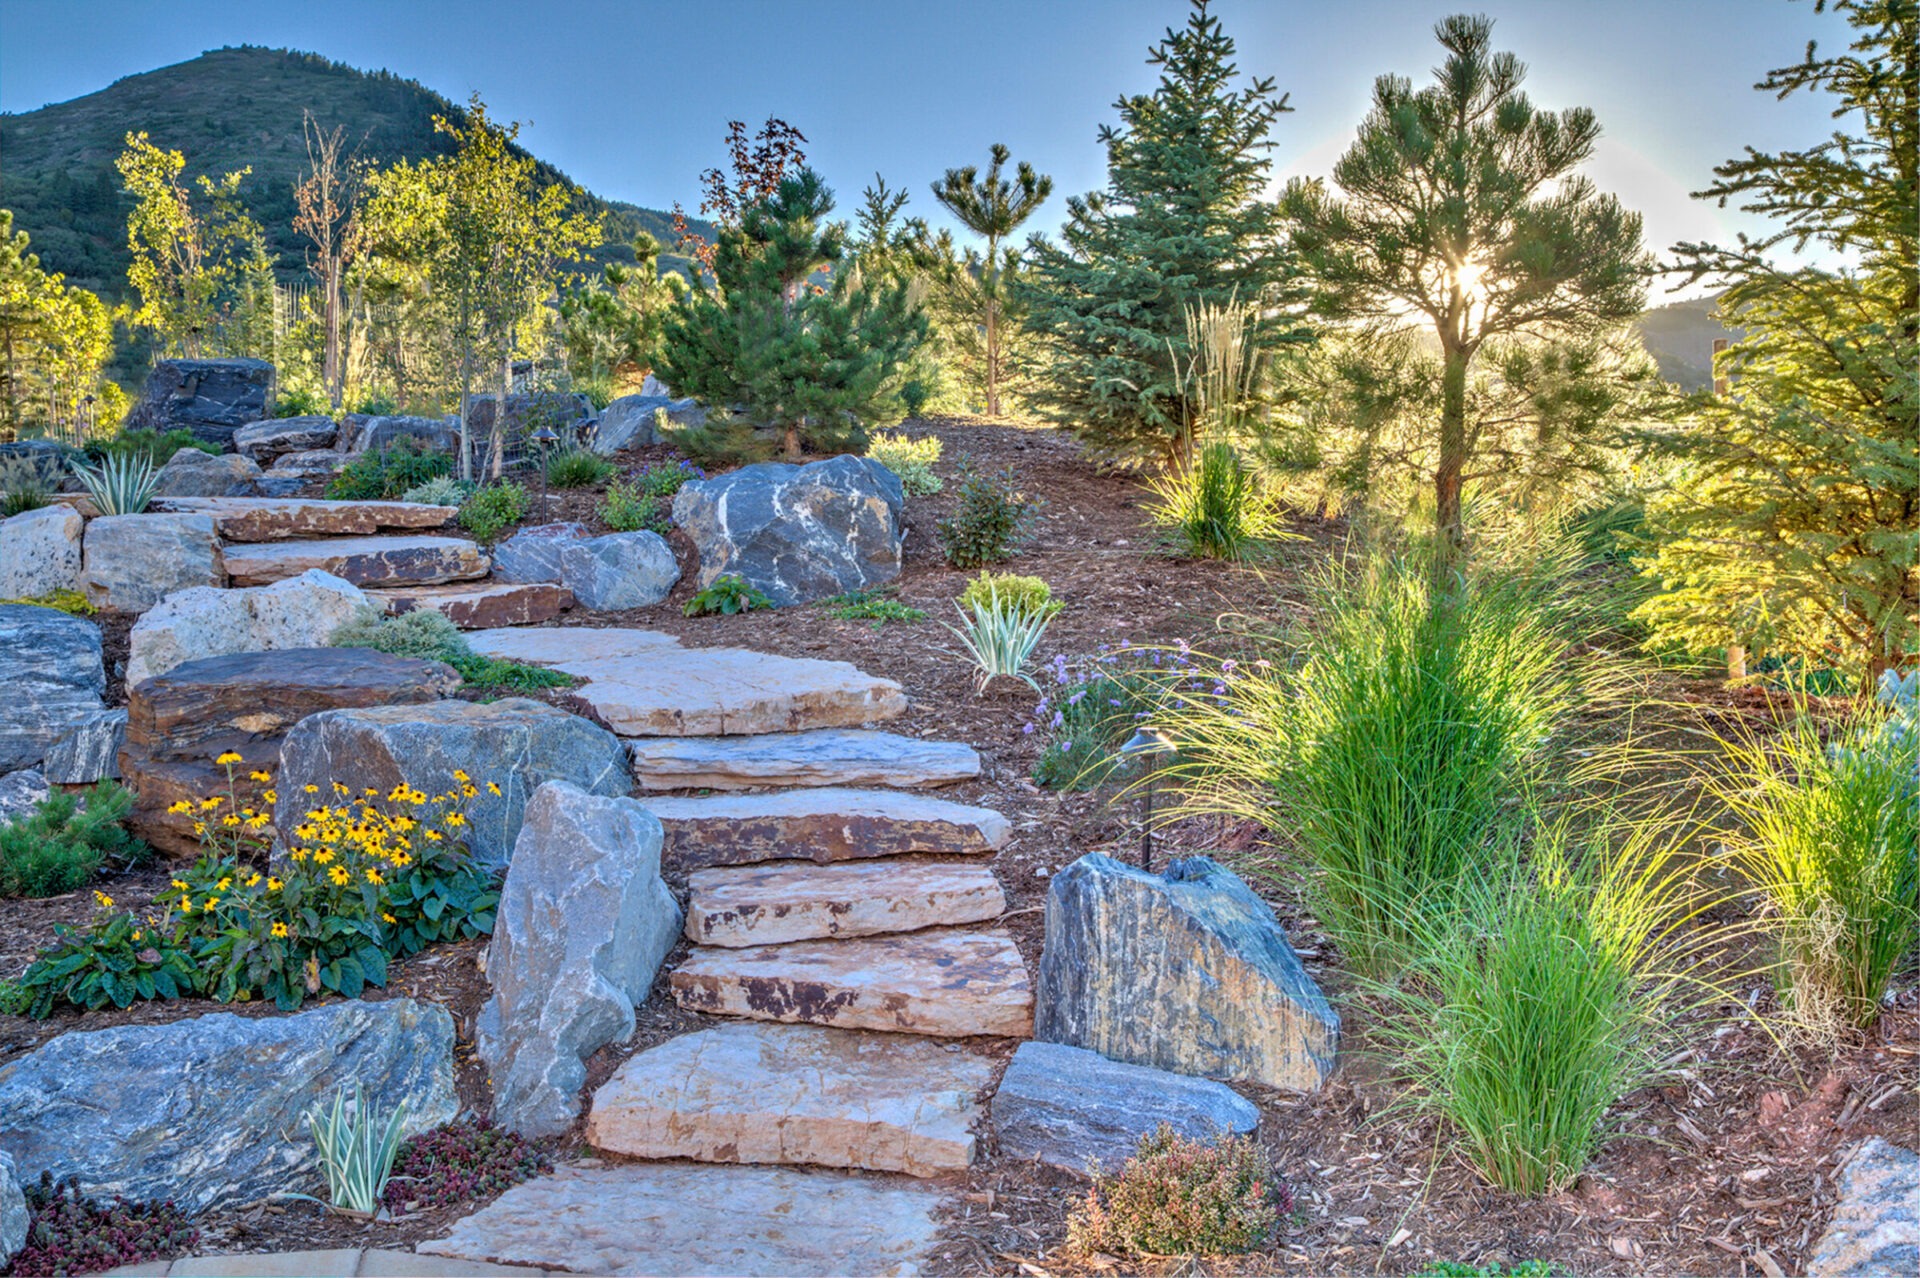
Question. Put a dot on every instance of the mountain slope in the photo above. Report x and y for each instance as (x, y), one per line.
(224, 110)
(1680, 338)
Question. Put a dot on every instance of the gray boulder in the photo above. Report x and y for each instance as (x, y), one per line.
(560, 993)
(1187, 971)
(370, 434)
(1875, 1230)
(299, 612)
(620, 570)
(533, 554)
(274, 483)
(208, 1111)
(210, 397)
(632, 421)
(516, 743)
(14, 1216)
(132, 562)
(21, 792)
(567, 413)
(51, 669)
(40, 552)
(193, 473)
(308, 464)
(1068, 1107)
(798, 533)
(90, 750)
(266, 441)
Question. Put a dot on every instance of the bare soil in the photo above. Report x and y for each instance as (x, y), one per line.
(1729, 1171)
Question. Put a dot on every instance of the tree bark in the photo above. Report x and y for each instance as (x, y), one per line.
(1450, 537)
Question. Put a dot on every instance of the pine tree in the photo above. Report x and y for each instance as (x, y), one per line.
(992, 208)
(1795, 521)
(810, 360)
(1460, 207)
(1182, 222)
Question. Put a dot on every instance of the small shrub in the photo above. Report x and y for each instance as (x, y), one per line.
(301, 400)
(119, 485)
(579, 468)
(1182, 1197)
(456, 1164)
(422, 633)
(727, 595)
(646, 503)
(491, 674)
(71, 602)
(69, 1234)
(911, 459)
(1092, 706)
(385, 473)
(442, 491)
(999, 636)
(723, 445)
(157, 447)
(356, 1148)
(377, 403)
(492, 510)
(115, 961)
(1025, 594)
(877, 605)
(21, 487)
(1216, 508)
(992, 518)
(61, 845)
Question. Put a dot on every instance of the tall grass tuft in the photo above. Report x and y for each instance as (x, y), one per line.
(1216, 508)
(1830, 844)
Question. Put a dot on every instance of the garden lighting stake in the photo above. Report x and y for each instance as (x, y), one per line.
(1147, 745)
(546, 437)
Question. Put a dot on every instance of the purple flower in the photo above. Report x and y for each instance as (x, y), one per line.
(1027, 731)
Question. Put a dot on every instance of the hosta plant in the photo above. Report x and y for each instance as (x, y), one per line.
(727, 595)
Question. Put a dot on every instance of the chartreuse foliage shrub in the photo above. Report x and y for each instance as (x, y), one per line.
(63, 842)
(1216, 507)
(365, 879)
(1029, 595)
(71, 602)
(911, 459)
(1182, 1197)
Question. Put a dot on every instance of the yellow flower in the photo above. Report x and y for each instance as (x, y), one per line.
(199, 827)
(271, 796)
(467, 792)
(340, 789)
(181, 884)
(223, 884)
(137, 934)
(388, 917)
(230, 820)
(179, 806)
(373, 876)
(435, 835)
(455, 818)
(186, 905)
(254, 879)
(208, 805)
(339, 875)
(322, 855)
(259, 776)
(279, 929)
(227, 758)
(273, 885)
(299, 854)
(258, 820)
(461, 776)
(493, 789)
(211, 902)
(310, 788)
(105, 901)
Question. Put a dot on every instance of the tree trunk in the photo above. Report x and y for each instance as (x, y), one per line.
(497, 437)
(793, 441)
(993, 356)
(1449, 531)
(330, 372)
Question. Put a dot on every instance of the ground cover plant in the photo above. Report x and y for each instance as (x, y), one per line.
(1178, 1196)
(66, 840)
(428, 635)
(71, 602)
(877, 604)
(489, 511)
(725, 596)
(467, 1159)
(71, 1234)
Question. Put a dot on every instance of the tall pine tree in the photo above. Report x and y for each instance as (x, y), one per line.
(1182, 222)
(993, 208)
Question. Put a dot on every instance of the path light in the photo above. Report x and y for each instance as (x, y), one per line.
(546, 437)
(1147, 745)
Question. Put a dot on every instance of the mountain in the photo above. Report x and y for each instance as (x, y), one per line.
(227, 109)
(1680, 338)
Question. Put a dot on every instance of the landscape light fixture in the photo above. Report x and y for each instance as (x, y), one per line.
(1147, 745)
(546, 437)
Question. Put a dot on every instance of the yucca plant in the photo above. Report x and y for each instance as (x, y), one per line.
(121, 484)
(356, 1148)
(999, 634)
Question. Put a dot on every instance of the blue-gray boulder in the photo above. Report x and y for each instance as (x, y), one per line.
(619, 571)
(1875, 1228)
(51, 668)
(210, 397)
(533, 554)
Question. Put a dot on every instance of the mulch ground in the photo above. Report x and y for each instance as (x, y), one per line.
(1729, 1171)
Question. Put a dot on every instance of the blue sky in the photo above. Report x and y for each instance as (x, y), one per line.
(631, 97)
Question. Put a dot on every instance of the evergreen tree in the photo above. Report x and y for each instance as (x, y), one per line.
(1182, 222)
(1795, 521)
(1460, 209)
(992, 208)
(811, 360)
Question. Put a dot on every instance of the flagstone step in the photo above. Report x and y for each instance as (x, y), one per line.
(822, 825)
(797, 1094)
(826, 756)
(947, 983)
(364, 561)
(641, 683)
(480, 604)
(772, 904)
(283, 518)
(680, 1220)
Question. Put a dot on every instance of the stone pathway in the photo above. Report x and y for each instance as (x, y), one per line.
(343, 1262)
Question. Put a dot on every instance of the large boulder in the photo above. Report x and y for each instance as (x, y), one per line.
(208, 1111)
(300, 612)
(619, 571)
(132, 562)
(797, 533)
(267, 441)
(313, 463)
(533, 554)
(632, 421)
(516, 743)
(566, 412)
(21, 792)
(210, 397)
(89, 750)
(560, 993)
(14, 1216)
(1185, 971)
(40, 552)
(194, 473)
(51, 669)
(370, 434)
(1875, 1229)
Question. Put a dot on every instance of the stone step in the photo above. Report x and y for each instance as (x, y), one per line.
(482, 604)
(826, 756)
(746, 905)
(756, 1093)
(284, 518)
(364, 561)
(641, 683)
(680, 1220)
(949, 983)
(822, 826)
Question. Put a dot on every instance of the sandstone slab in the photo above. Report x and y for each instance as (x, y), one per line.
(948, 983)
(40, 552)
(1187, 971)
(1875, 1228)
(1068, 1107)
(583, 924)
(844, 757)
(795, 1094)
(194, 473)
(51, 669)
(480, 605)
(675, 1220)
(132, 562)
(515, 743)
(253, 519)
(642, 684)
(210, 397)
(619, 571)
(207, 1111)
(203, 621)
(364, 561)
(821, 825)
(772, 904)
(533, 554)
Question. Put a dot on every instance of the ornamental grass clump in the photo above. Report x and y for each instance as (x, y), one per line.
(579, 468)
(356, 1148)
(119, 484)
(1182, 1197)
(1216, 507)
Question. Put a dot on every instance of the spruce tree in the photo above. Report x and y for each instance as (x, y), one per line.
(1182, 222)
(812, 360)
(1794, 522)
